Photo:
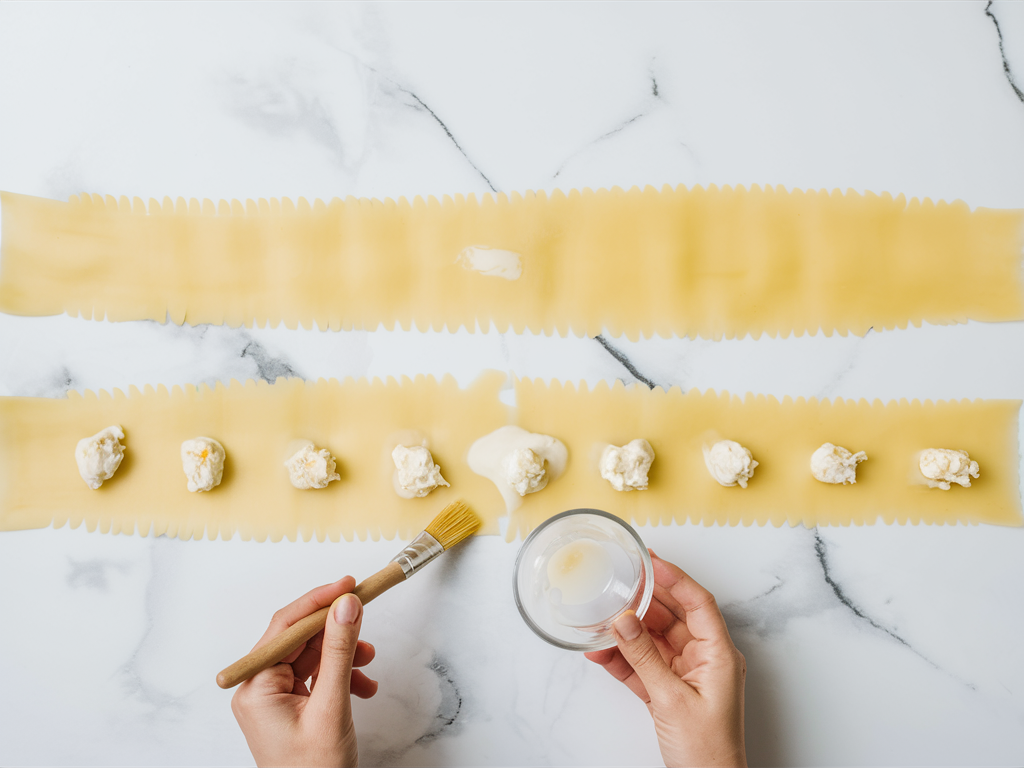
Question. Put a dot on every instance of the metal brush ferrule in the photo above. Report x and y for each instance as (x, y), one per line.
(420, 551)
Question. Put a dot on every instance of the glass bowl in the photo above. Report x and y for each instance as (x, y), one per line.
(576, 573)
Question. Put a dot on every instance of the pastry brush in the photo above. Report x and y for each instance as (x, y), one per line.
(454, 523)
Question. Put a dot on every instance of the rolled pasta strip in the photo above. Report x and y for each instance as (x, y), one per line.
(715, 262)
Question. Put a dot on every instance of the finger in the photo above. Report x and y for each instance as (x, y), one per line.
(658, 617)
(601, 657)
(638, 649)
(291, 657)
(665, 648)
(272, 680)
(362, 686)
(703, 618)
(675, 629)
(313, 643)
(311, 602)
(341, 635)
(616, 666)
(307, 664)
(365, 653)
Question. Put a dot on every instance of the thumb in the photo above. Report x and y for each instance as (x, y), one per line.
(638, 648)
(341, 634)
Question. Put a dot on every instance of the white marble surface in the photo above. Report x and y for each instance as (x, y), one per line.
(866, 646)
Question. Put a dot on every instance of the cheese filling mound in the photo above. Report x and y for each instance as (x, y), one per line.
(524, 471)
(626, 468)
(517, 462)
(311, 468)
(202, 459)
(942, 466)
(99, 456)
(416, 474)
(834, 464)
(729, 463)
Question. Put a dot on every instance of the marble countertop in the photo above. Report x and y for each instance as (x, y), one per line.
(879, 645)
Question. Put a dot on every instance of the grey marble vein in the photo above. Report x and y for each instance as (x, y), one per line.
(279, 108)
(446, 719)
(653, 107)
(420, 105)
(767, 614)
(159, 703)
(268, 367)
(821, 552)
(423, 105)
(63, 381)
(607, 135)
(1002, 52)
(624, 360)
(92, 573)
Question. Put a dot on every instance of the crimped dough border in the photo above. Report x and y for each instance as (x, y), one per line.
(360, 421)
(714, 262)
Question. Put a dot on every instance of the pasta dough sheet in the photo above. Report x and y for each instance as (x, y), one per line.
(360, 423)
(782, 436)
(715, 262)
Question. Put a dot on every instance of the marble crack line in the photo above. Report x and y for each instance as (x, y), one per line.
(268, 367)
(420, 104)
(448, 132)
(779, 583)
(821, 552)
(604, 136)
(1002, 52)
(624, 361)
(654, 80)
(450, 708)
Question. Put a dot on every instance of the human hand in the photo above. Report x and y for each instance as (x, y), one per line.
(682, 663)
(286, 723)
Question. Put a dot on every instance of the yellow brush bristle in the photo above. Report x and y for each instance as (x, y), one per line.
(453, 524)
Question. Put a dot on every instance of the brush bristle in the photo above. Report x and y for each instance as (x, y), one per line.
(454, 523)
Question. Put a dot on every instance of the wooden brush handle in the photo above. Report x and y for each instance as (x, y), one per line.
(301, 631)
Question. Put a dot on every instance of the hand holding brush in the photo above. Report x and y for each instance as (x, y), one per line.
(455, 523)
(286, 723)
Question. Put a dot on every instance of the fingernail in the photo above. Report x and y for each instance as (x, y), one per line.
(628, 626)
(347, 609)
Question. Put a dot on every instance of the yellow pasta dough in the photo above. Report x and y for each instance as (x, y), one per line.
(360, 422)
(258, 425)
(782, 436)
(715, 262)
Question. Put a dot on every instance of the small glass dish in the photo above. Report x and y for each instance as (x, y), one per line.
(576, 573)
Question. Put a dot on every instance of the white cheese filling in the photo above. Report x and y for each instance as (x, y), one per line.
(626, 468)
(834, 464)
(99, 456)
(309, 468)
(729, 463)
(416, 474)
(942, 466)
(202, 459)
